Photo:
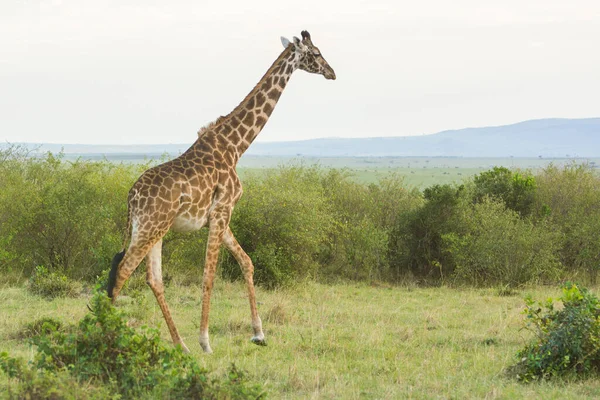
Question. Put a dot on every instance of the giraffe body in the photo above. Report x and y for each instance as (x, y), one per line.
(200, 188)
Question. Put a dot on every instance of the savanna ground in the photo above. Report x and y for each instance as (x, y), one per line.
(340, 341)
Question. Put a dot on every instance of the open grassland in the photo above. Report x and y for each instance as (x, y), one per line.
(340, 341)
(419, 172)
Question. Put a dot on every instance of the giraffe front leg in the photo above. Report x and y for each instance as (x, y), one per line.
(248, 269)
(215, 238)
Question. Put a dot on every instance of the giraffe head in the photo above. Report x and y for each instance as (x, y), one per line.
(309, 56)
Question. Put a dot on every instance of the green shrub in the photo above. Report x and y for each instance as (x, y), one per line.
(281, 221)
(67, 216)
(356, 246)
(390, 199)
(299, 222)
(496, 246)
(569, 198)
(567, 341)
(106, 352)
(416, 242)
(42, 326)
(30, 383)
(51, 285)
(516, 190)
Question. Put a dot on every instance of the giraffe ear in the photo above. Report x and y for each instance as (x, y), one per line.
(285, 42)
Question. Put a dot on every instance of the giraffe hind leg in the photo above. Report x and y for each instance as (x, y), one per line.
(128, 263)
(154, 280)
(248, 270)
(217, 227)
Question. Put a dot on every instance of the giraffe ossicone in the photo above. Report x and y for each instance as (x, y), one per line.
(200, 188)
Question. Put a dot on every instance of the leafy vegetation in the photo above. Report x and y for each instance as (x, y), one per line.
(42, 326)
(64, 216)
(497, 247)
(569, 198)
(51, 285)
(416, 247)
(281, 222)
(114, 358)
(501, 228)
(567, 339)
(514, 189)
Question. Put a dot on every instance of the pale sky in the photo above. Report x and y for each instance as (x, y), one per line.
(137, 71)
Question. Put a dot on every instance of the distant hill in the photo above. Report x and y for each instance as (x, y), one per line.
(543, 137)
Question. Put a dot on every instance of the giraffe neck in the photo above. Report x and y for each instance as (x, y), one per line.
(241, 126)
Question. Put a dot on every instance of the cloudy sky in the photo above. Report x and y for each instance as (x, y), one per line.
(138, 71)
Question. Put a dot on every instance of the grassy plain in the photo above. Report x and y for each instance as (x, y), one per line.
(419, 172)
(341, 341)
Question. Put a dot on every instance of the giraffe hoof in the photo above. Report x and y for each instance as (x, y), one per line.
(258, 341)
(206, 347)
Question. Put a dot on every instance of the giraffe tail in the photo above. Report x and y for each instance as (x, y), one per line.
(112, 275)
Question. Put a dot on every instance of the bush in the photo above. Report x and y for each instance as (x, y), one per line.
(416, 242)
(516, 190)
(302, 222)
(567, 341)
(67, 216)
(356, 244)
(51, 285)
(282, 221)
(42, 326)
(106, 352)
(498, 247)
(35, 384)
(569, 198)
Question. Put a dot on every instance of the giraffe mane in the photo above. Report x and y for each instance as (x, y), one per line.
(210, 126)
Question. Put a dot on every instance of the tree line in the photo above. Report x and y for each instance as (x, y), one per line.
(500, 227)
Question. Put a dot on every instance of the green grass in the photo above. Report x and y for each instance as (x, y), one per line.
(419, 172)
(341, 341)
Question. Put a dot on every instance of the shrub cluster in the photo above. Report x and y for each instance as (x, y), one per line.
(64, 216)
(569, 199)
(567, 339)
(282, 221)
(502, 227)
(496, 246)
(52, 284)
(108, 357)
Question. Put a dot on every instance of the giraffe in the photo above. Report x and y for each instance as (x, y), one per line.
(201, 187)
